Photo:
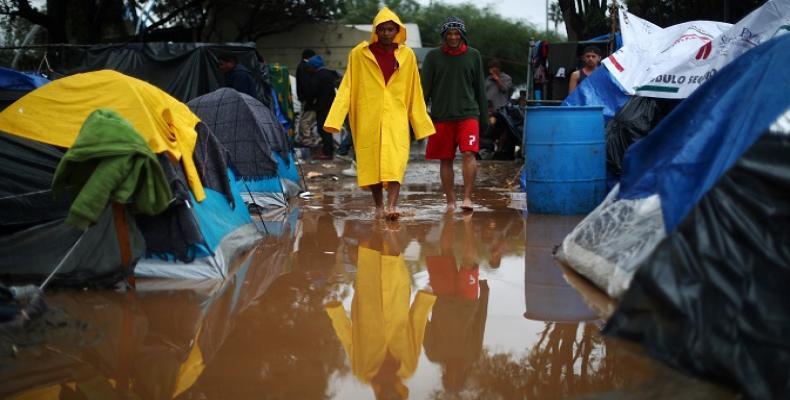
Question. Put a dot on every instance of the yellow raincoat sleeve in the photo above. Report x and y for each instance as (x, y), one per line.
(342, 103)
(342, 325)
(418, 318)
(418, 114)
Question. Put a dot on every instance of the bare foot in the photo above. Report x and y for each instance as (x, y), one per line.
(467, 205)
(379, 212)
(450, 206)
(393, 215)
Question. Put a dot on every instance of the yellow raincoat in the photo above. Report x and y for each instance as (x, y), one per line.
(381, 319)
(55, 112)
(380, 113)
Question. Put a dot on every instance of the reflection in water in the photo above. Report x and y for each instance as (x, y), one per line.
(454, 336)
(157, 342)
(278, 328)
(569, 359)
(283, 345)
(383, 337)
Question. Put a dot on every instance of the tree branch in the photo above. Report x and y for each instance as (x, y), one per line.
(172, 15)
(27, 12)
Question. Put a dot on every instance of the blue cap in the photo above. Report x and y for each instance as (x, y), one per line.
(315, 62)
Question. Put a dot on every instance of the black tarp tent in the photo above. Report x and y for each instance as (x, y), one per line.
(184, 70)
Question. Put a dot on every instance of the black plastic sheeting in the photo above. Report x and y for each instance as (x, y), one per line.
(632, 123)
(714, 297)
(184, 70)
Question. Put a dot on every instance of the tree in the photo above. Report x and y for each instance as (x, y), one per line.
(486, 29)
(71, 21)
(670, 12)
(90, 21)
(584, 19)
(363, 11)
(555, 14)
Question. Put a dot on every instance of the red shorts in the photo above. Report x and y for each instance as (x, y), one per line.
(463, 133)
(447, 280)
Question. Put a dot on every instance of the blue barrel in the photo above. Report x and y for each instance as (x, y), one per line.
(565, 159)
(547, 295)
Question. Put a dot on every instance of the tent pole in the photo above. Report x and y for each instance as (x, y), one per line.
(256, 206)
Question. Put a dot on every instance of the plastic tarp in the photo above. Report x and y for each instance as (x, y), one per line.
(618, 40)
(704, 136)
(184, 70)
(11, 79)
(712, 299)
(667, 173)
(598, 89)
(673, 62)
(632, 123)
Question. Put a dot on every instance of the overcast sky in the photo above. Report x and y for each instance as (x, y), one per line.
(533, 11)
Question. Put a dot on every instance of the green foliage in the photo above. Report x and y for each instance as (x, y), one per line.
(494, 35)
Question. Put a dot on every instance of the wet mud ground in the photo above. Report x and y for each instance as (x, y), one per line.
(336, 304)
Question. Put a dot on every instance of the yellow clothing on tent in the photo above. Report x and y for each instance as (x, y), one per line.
(381, 319)
(380, 113)
(55, 112)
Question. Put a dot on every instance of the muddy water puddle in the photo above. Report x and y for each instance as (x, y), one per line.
(334, 304)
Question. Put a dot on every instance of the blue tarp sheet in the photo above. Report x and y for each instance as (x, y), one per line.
(11, 79)
(599, 89)
(618, 40)
(705, 135)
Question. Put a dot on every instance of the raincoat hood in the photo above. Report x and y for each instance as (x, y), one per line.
(387, 15)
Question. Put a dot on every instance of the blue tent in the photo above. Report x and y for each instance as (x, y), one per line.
(706, 134)
(257, 144)
(666, 174)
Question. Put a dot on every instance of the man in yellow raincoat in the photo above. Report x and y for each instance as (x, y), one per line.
(381, 94)
(383, 338)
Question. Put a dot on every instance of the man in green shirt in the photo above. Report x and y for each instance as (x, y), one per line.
(454, 85)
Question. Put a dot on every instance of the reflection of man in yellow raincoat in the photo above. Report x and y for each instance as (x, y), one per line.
(383, 339)
(382, 95)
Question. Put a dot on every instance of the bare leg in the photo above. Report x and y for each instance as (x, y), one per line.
(378, 199)
(393, 191)
(448, 178)
(470, 173)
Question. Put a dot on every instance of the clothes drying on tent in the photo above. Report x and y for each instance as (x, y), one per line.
(711, 299)
(281, 84)
(54, 113)
(32, 217)
(215, 228)
(257, 145)
(198, 240)
(668, 172)
(110, 162)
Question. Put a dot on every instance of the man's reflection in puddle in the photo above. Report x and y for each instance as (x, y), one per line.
(454, 336)
(385, 333)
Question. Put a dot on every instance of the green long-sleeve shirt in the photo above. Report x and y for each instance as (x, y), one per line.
(454, 86)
